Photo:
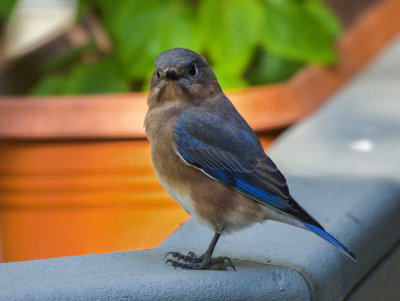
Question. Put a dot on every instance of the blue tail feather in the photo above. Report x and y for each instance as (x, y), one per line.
(321, 233)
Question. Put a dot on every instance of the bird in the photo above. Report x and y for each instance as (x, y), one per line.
(210, 161)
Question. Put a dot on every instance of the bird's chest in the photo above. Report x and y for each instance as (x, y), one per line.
(181, 196)
(182, 182)
(173, 174)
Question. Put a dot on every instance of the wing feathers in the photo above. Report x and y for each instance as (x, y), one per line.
(228, 151)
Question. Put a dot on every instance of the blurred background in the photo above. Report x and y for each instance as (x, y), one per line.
(52, 47)
(75, 176)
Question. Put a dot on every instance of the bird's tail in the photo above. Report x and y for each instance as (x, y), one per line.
(323, 234)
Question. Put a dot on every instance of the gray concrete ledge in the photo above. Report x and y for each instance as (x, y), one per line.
(382, 283)
(342, 165)
(143, 275)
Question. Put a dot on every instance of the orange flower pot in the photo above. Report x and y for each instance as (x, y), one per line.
(62, 198)
(75, 172)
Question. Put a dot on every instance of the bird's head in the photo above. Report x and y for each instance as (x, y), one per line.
(181, 75)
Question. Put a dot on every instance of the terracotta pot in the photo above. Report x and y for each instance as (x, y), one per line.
(75, 172)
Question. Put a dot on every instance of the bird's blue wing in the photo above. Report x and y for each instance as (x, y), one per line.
(227, 150)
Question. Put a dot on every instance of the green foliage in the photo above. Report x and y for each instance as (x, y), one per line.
(269, 68)
(245, 41)
(140, 30)
(6, 7)
(69, 58)
(295, 31)
(323, 16)
(229, 31)
(99, 77)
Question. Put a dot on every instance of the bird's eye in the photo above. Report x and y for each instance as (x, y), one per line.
(193, 70)
(158, 75)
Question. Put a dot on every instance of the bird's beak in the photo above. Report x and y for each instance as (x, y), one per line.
(171, 74)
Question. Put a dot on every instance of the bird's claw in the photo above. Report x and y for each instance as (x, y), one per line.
(172, 253)
(190, 257)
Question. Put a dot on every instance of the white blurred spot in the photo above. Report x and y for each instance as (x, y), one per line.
(363, 145)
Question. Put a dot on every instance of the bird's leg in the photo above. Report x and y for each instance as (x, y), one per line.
(203, 262)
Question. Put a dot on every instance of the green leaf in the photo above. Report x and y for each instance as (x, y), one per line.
(324, 16)
(141, 30)
(269, 68)
(50, 85)
(292, 32)
(229, 32)
(99, 77)
(229, 81)
(6, 6)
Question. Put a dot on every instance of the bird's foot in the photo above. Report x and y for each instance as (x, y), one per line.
(193, 262)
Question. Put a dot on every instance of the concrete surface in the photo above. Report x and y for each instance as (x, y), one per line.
(142, 275)
(383, 283)
(342, 165)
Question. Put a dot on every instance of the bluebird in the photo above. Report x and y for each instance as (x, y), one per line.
(210, 161)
